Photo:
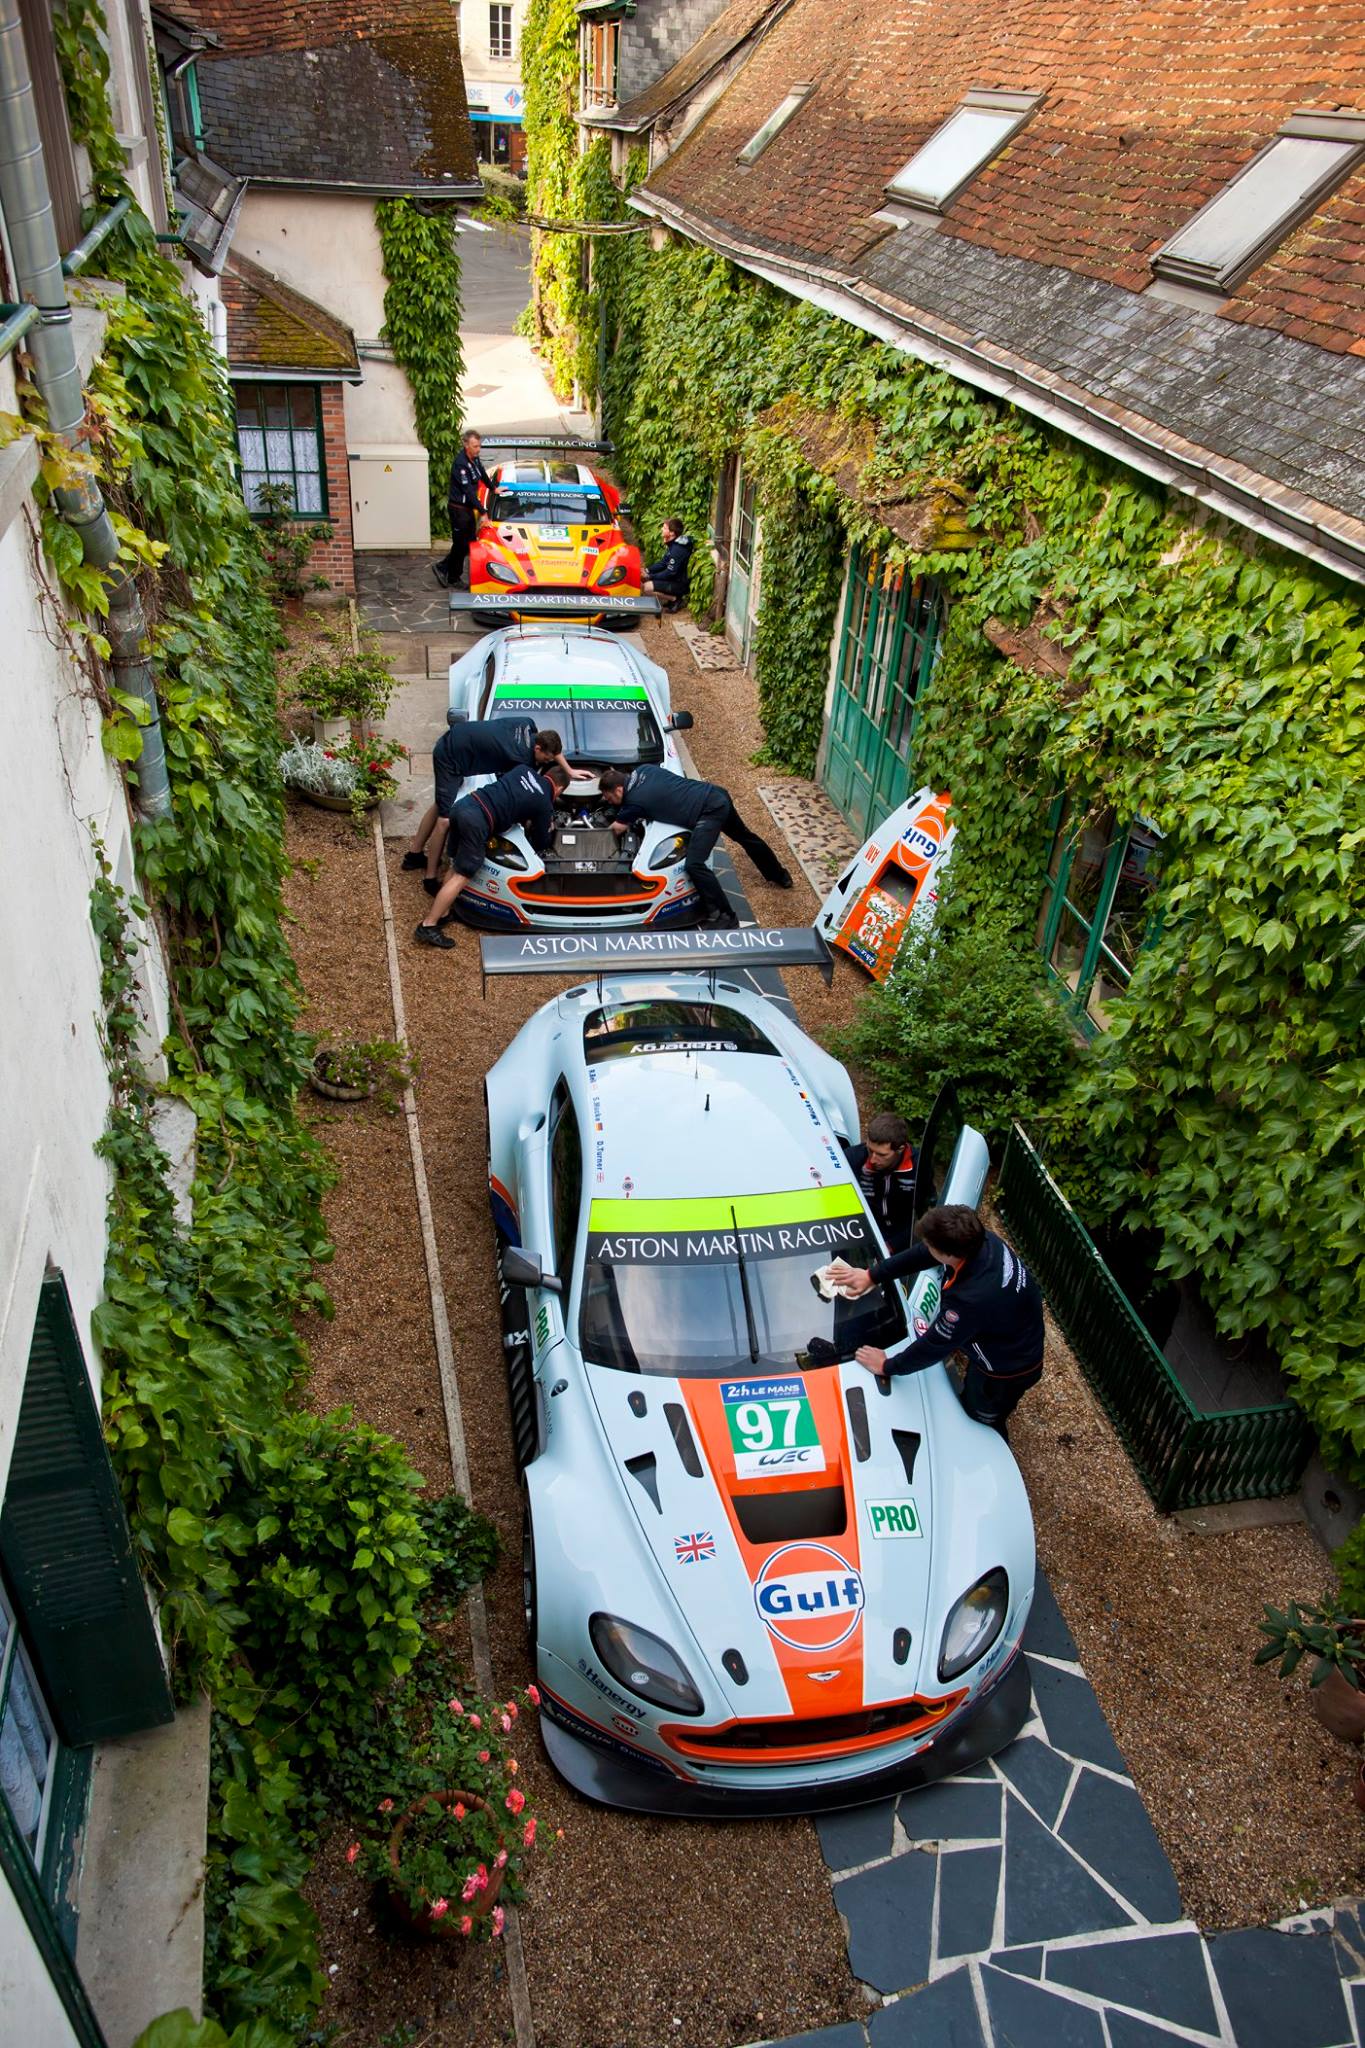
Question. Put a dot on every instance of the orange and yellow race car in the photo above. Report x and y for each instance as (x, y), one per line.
(550, 544)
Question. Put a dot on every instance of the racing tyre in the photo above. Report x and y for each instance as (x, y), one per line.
(528, 1574)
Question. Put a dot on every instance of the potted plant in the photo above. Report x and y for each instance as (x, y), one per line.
(1335, 1640)
(453, 1836)
(353, 775)
(360, 1068)
(345, 686)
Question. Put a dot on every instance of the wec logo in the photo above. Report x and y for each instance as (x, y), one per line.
(809, 1597)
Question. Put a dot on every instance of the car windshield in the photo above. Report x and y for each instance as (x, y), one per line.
(693, 1303)
(620, 731)
(631, 1028)
(527, 506)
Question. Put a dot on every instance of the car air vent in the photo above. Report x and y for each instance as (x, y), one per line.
(907, 1443)
(682, 1436)
(857, 1422)
(900, 1645)
(637, 1403)
(645, 1471)
(791, 1517)
(883, 1384)
(736, 1666)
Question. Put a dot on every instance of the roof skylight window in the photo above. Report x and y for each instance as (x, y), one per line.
(775, 123)
(1279, 188)
(963, 145)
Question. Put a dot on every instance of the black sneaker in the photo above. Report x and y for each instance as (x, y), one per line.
(719, 920)
(439, 573)
(783, 881)
(431, 885)
(429, 935)
(413, 861)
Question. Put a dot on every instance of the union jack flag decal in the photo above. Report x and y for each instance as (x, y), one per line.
(692, 1549)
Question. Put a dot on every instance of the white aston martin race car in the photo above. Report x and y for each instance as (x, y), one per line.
(612, 707)
(758, 1580)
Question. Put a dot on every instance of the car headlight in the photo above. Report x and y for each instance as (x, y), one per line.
(644, 1664)
(974, 1623)
(506, 853)
(615, 574)
(501, 572)
(669, 852)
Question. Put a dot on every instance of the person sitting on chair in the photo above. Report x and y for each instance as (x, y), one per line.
(668, 577)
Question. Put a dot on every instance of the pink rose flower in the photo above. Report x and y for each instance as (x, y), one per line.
(438, 1907)
(482, 1874)
(499, 1921)
(460, 1809)
(505, 1721)
(455, 1707)
(476, 1720)
(470, 1889)
(529, 1833)
(466, 1925)
(533, 1695)
(511, 1709)
(386, 1806)
(515, 1800)
(353, 1852)
(499, 1859)
(483, 1756)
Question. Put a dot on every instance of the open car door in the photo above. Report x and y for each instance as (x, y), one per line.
(892, 883)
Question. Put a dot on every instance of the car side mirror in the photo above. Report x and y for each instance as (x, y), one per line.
(524, 1269)
(681, 721)
(624, 511)
(457, 718)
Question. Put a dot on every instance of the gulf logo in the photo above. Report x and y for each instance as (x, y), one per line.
(809, 1597)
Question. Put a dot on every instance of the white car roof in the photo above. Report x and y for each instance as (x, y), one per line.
(546, 472)
(549, 657)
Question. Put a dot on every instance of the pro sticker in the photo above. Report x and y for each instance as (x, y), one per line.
(772, 1430)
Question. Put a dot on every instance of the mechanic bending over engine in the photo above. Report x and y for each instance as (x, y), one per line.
(705, 809)
(477, 746)
(991, 1308)
(669, 577)
(525, 797)
(888, 1177)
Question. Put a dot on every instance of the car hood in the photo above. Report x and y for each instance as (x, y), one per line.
(810, 1564)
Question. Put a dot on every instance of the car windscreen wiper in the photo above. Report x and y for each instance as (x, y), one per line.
(626, 1359)
(750, 1324)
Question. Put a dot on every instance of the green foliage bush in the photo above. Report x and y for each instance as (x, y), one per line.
(969, 1009)
(421, 254)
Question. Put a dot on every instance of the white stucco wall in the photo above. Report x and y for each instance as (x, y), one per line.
(26, 1993)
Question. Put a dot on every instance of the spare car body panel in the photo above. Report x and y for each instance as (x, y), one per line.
(891, 885)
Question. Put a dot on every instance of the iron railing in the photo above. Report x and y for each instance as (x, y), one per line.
(1184, 1458)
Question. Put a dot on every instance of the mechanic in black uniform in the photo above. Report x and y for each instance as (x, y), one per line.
(889, 1179)
(462, 502)
(706, 810)
(524, 796)
(670, 575)
(477, 746)
(991, 1308)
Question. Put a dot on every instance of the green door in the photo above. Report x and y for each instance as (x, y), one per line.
(739, 621)
(888, 639)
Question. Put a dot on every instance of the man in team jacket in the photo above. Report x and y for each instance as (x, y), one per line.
(991, 1309)
(889, 1179)
(477, 746)
(705, 810)
(524, 796)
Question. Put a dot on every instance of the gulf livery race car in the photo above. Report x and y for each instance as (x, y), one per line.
(757, 1579)
(551, 530)
(891, 886)
(611, 706)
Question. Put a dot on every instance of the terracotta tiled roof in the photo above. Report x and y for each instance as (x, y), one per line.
(711, 49)
(357, 94)
(270, 326)
(1150, 109)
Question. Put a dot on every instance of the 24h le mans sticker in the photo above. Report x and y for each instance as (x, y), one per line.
(772, 1430)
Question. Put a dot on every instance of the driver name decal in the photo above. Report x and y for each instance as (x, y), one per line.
(772, 1429)
(809, 1597)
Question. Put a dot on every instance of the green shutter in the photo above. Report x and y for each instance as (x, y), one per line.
(67, 1553)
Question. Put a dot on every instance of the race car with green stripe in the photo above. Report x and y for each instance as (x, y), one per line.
(758, 1579)
(611, 706)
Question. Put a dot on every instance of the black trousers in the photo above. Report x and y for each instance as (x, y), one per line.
(463, 525)
(721, 816)
(991, 1397)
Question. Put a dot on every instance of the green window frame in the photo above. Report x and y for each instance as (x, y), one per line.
(1102, 878)
(892, 626)
(44, 1782)
(279, 441)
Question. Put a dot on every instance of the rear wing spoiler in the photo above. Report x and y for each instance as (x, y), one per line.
(603, 953)
(568, 442)
(553, 604)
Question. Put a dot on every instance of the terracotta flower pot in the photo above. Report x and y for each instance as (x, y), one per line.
(445, 1927)
(1339, 1707)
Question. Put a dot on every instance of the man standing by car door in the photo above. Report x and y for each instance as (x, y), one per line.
(463, 503)
(889, 1179)
(991, 1309)
(705, 810)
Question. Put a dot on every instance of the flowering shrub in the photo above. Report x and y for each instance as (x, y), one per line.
(456, 1857)
(359, 769)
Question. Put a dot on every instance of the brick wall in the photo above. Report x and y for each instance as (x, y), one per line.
(335, 558)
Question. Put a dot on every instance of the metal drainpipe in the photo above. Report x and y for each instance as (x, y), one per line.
(27, 207)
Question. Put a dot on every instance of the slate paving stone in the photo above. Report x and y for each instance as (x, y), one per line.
(942, 2015)
(1281, 1990)
(859, 1836)
(1107, 1824)
(1163, 1975)
(952, 1811)
(1040, 1774)
(968, 1886)
(1047, 1634)
(1020, 1962)
(1356, 1993)
(1127, 2032)
(1027, 2016)
(1048, 1896)
(850, 2036)
(1073, 1717)
(890, 1914)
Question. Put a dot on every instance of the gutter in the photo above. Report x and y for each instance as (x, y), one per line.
(37, 273)
(364, 189)
(1303, 525)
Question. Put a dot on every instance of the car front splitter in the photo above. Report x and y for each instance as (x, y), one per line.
(612, 1779)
